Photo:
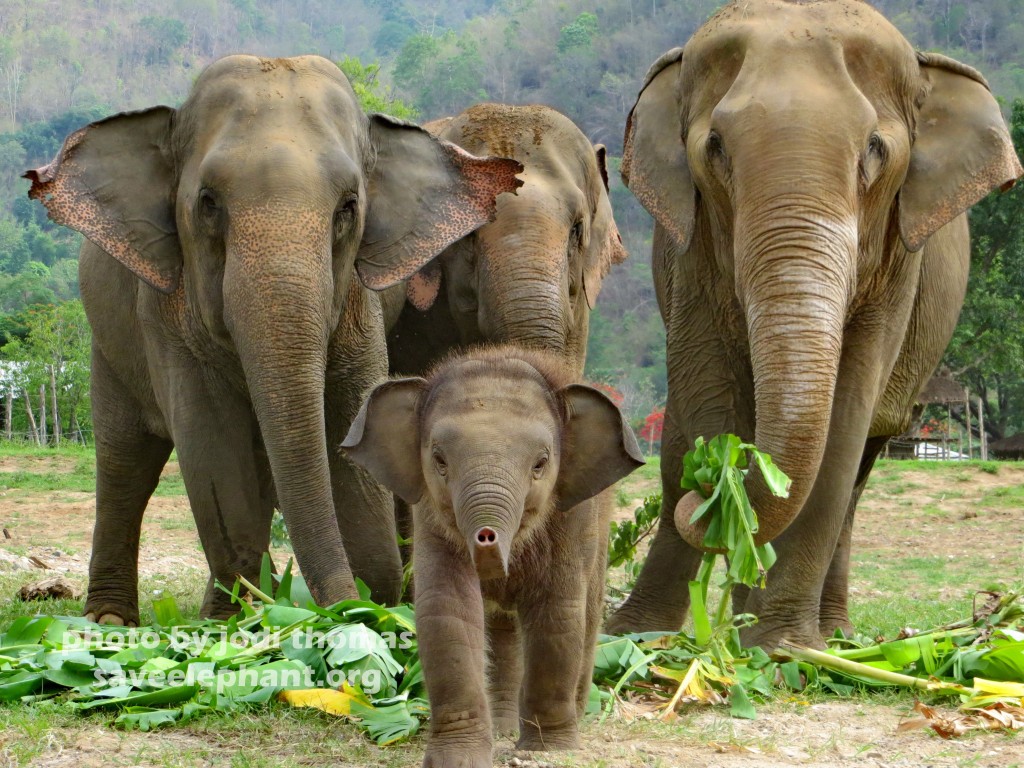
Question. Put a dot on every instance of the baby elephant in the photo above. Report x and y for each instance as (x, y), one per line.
(501, 456)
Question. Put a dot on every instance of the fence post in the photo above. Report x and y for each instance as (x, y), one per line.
(970, 433)
(9, 411)
(981, 431)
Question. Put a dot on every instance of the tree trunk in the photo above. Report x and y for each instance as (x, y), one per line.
(53, 403)
(42, 415)
(9, 413)
(33, 433)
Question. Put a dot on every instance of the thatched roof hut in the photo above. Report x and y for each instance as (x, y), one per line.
(1009, 447)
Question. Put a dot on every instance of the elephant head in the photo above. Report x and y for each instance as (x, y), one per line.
(533, 274)
(250, 206)
(493, 443)
(804, 149)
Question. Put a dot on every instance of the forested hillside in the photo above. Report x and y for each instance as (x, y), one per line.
(66, 62)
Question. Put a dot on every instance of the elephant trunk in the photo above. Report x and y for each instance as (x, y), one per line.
(279, 296)
(523, 287)
(488, 515)
(798, 270)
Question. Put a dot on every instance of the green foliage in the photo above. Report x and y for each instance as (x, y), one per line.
(54, 354)
(716, 470)
(626, 536)
(372, 94)
(175, 670)
(579, 34)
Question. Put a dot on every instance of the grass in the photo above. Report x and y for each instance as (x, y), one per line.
(916, 588)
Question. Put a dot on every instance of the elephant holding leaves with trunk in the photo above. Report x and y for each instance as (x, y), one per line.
(533, 274)
(227, 322)
(808, 173)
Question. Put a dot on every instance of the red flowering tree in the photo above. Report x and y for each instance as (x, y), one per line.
(654, 423)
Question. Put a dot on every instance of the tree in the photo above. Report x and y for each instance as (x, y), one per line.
(55, 356)
(372, 95)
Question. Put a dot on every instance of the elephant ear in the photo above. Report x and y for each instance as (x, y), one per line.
(654, 165)
(114, 182)
(962, 150)
(605, 247)
(425, 194)
(598, 447)
(384, 437)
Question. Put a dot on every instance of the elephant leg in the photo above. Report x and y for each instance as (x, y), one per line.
(450, 632)
(504, 670)
(128, 464)
(218, 443)
(554, 635)
(788, 607)
(595, 609)
(365, 509)
(660, 599)
(834, 610)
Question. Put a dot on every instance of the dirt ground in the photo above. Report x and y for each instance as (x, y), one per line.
(970, 519)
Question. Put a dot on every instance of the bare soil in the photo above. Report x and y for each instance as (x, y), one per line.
(968, 517)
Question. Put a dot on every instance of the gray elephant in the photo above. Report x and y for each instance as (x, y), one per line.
(504, 458)
(533, 274)
(226, 323)
(808, 173)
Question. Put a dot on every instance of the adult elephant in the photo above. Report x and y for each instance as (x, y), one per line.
(808, 173)
(533, 274)
(226, 323)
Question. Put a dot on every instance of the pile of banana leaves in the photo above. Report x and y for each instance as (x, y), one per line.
(354, 658)
(977, 662)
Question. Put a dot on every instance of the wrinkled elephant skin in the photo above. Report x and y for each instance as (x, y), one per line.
(808, 173)
(505, 461)
(218, 280)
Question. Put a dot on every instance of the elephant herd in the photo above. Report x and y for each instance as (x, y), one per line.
(261, 258)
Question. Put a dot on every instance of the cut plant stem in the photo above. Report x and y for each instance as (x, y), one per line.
(855, 668)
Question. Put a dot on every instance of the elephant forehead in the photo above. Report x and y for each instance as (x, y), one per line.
(510, 391)
(754, 23)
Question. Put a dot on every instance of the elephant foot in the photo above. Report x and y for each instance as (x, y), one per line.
(451, 756)
(111, 614)
(535, 737)
(631, 618)
(768, 635)
(504, 722)
(827, 626)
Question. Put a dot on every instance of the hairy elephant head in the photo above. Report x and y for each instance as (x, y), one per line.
(251, 205)
(533, 274)
(801, 148)
(493, 443)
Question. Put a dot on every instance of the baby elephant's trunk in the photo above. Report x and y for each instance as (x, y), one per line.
(488, 517)
(489, 557)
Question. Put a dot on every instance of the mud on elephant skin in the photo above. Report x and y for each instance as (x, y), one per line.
(218, 281)
(506, 461)
(532, 275)
(808, 173)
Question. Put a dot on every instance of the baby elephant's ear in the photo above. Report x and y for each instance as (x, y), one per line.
(598, 448)
(384, 437)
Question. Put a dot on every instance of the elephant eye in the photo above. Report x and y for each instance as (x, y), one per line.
(539, 465)
(207, 203)
(440, 465)
(345, 214)
(876, 145)
(714, 146)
